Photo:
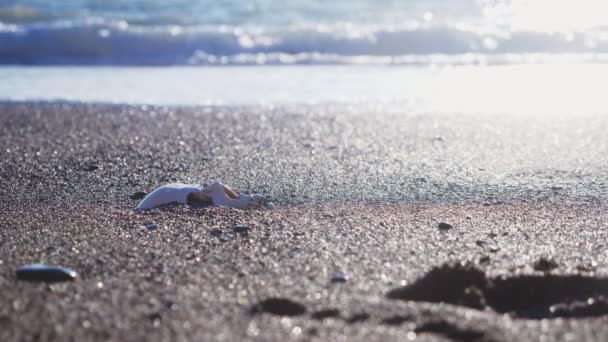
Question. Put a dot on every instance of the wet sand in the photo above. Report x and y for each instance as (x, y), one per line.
(359, 194)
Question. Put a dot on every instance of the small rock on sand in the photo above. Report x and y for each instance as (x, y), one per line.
(444, 226)
(45, 273)
(240, 228)
(339, 278)
(138, 195)
(545, 264)
(150, 226)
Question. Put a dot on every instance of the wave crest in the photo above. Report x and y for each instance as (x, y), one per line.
(118, 43)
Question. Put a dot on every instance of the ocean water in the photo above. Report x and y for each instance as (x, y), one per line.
(299, 51)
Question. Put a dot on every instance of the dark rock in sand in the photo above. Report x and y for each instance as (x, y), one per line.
(484, 259)
(240, 228)
(138, 195)
(90, 167)
(150, 226)
(587, 308)
(545, 264)
(339, 278)
(444, 226)
(45, 273)
(216, 232)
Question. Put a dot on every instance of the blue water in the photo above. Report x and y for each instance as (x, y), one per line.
(240, 32)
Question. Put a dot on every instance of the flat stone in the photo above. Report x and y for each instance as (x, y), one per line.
(90, 167)
(45, 273)
(240, 228)
(216, 232)
(545, 264)
(444, 226)
(339, 278)
(150, 226)
(138, 195)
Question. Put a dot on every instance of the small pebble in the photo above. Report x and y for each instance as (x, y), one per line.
(444, 226)
(484, 259)
(150, 226)
(216, 232)
(545, 264)
(339, 278)
(240, 228)
(90, 167)
(45, 273)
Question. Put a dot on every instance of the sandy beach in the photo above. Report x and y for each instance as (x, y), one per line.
(354, 249)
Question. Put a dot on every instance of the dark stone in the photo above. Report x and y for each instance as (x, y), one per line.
(444, 226)
(484, 259)
(545, 264)
(240, 229)
(138, 195)
(90, 167)
(216, 232)
(339, 278)
(328, 216)
(150, 226)
(45, 273)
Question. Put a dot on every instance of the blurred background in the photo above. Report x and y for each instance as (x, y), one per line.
(421, 55)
